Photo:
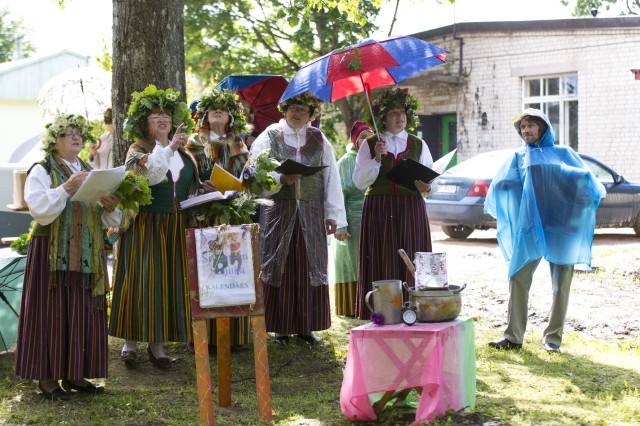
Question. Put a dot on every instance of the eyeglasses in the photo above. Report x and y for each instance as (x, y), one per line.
(72, 133)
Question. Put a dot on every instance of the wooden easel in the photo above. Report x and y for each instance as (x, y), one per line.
(223, 329)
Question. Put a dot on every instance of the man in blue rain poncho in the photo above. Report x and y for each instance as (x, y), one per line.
(544, 199)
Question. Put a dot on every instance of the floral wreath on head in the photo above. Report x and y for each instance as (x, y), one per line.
(305, 98)
(388, 99)
(142, 103)
(224, 100)
(59, 125)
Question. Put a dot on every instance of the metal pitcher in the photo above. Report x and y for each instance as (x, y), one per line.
(387, 300)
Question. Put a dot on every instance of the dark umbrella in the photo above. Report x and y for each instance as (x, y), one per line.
(364, 66)
(261, 92)
(11, 277)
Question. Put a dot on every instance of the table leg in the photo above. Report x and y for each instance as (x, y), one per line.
(203, 372)
(263, 383)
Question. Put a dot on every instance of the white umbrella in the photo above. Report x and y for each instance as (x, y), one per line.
(82, 90)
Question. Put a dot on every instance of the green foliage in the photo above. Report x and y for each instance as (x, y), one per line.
(584, 7)
(236, 211)
(395, 98)
(133, 192)
(330, 121)
(166, 100)
(10, 31)
(272, 36)
(105, 60)
(256, 178)
(22, 243)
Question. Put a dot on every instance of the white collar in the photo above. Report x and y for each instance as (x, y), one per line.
(402, 135)
(290, 130)
(75, 164)
(213, 136)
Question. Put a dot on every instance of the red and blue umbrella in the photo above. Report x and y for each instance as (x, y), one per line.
(261, 92)
(365, 66)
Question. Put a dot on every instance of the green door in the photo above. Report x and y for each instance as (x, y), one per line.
(448, 130)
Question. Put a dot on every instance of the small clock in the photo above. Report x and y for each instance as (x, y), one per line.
(409, 314)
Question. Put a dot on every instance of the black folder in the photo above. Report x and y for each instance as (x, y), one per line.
(290, 167)
(407, 171)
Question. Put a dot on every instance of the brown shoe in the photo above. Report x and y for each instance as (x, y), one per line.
(130, 358)
(56, 394)
(87, 387)
(163, 363)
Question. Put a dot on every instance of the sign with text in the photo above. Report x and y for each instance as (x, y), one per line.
(225, 266)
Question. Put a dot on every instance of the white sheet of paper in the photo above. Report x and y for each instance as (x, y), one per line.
(99, 183)
(441, 164)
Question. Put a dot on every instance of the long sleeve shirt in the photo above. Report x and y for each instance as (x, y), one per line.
(333, 199)
(161, 160)
(46, 203)
(367, 168)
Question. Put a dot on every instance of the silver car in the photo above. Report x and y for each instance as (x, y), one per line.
(458, 200)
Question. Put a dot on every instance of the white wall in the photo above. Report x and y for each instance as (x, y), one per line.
(495, 62)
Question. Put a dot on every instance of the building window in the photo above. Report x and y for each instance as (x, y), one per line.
(557, 96)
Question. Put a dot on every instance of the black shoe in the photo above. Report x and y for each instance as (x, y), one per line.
(130, 358)
(163, 363)
(58, 394)
(505, 344)
(552, 347)
(89, 387)
(310, 339)
(281, 339)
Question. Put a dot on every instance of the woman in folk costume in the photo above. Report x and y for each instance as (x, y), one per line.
(346, 251)
(150, 297)
(63, 317)
(294, 229)
(221, 120)
(393, 216)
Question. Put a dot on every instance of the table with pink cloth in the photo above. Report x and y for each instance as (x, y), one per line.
(438, 357)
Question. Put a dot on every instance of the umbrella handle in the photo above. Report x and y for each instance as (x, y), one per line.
(365, 87)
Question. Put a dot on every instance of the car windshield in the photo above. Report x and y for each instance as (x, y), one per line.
(482, 166)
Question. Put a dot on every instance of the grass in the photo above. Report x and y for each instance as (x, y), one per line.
(591, 382)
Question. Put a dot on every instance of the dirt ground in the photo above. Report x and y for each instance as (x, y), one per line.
(603, 303)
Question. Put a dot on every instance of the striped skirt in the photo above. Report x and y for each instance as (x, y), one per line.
(240, 331)
(150, 284)
(346, 299)
(296, 307)
(63, 330)
(389, 223)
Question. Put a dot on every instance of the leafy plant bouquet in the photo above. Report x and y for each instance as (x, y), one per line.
(21, 244)
(133, 192)
(237, 211)
(256, 178)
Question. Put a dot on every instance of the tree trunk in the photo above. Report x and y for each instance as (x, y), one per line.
(148, 48)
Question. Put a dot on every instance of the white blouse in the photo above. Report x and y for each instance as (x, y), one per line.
(161, 160)
(367, 168)
(46, 203)
(333, 199)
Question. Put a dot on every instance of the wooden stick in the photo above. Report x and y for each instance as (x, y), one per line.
(407, 262)
(203, 372)
(223, 337)
(263, 384)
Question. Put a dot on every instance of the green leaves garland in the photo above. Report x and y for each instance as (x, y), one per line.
(166, 100)
(60, 124)
(388, 99)
(224, 100)
(255, 175)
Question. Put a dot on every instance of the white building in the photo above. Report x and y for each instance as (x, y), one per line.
(21, 122)
(577, 70)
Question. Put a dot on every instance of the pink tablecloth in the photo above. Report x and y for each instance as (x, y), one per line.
(439, 357)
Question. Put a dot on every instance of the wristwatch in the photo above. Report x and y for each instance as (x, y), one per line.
(409, 314)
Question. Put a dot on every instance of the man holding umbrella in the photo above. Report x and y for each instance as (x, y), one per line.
(294, 229)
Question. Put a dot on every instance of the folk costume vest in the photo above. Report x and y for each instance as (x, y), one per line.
(384, 186)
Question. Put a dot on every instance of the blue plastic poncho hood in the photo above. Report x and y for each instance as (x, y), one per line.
(544, 199)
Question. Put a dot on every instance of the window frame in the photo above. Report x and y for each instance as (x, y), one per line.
(562, 98)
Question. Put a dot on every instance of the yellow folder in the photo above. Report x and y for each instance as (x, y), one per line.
(225, 181)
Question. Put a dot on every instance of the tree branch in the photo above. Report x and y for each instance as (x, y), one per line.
(393, 21)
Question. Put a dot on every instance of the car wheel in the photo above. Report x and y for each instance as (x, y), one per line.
(636, 225)
(457, 231)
